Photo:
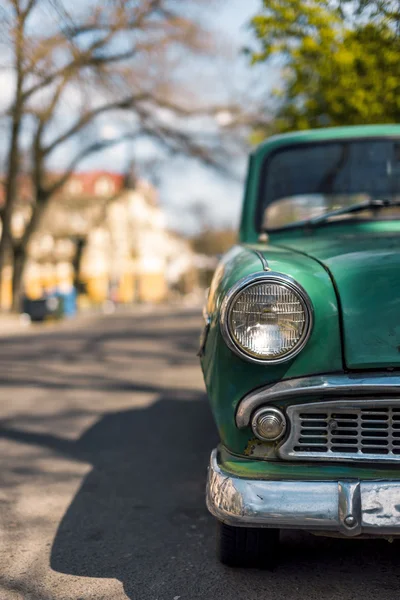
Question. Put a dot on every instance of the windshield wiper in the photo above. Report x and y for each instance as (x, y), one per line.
(374, 203)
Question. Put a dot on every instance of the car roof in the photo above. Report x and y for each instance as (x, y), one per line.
(327, 134)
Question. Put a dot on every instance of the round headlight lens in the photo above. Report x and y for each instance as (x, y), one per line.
(269, 320)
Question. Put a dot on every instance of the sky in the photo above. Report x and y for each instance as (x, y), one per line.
(183, 183)
(221, 196)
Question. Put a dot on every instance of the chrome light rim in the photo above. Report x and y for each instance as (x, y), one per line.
(267, 277)
(271, 410)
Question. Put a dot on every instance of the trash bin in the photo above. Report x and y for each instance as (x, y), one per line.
(43, 308)
(36, 309)
(69, 303)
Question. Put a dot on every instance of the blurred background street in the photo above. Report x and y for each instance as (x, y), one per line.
(105, 436)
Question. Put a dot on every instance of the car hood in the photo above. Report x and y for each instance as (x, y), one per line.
(365, 270)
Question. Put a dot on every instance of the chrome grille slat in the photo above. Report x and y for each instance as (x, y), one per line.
(353, 430)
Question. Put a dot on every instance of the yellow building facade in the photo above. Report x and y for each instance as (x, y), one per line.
(128, 254)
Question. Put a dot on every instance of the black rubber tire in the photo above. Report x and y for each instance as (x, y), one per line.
(247, 547)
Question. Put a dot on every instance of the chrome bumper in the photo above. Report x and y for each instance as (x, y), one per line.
(350, 507)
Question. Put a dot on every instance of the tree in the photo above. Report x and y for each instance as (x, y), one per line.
(114, 61)
(213, 242)
(338, 68)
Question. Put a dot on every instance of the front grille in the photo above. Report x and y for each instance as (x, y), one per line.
(343, 430)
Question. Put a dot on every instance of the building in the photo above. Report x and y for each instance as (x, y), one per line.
(107, 234)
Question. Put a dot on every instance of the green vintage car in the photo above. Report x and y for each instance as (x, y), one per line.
(301, 346)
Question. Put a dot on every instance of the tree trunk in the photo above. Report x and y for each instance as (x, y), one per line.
(5, 250)
(77, 261)
(11, 192)
(20, 252)
(19, 260)
(13, 155)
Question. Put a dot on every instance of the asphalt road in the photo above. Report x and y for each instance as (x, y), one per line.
(105, 434)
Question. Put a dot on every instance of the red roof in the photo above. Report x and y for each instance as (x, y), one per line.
(95, 183)
(87, 183)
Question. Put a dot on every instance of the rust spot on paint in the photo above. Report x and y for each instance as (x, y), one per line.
(257, 448)
(251, 446)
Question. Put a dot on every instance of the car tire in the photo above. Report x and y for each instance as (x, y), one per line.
(247, 547)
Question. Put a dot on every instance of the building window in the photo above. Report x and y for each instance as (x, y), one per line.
(104, 187)
(75, 187)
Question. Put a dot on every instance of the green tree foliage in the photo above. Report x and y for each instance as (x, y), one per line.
(340, 63)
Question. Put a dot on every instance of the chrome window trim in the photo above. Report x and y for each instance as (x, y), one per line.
(267, 277)
(331, 385)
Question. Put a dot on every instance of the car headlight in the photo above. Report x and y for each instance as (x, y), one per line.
(267, 318)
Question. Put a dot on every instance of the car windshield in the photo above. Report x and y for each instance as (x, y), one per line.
(309, 180)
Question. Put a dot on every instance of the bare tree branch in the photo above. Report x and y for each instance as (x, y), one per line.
(89, 117)
(88, 57)
(28, 9)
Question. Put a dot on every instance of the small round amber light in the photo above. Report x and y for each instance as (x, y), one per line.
(268, 424)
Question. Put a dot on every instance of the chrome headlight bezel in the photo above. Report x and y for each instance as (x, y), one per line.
(267, 277)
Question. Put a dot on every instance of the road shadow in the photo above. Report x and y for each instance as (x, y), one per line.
(141, 509)
(139, 515)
